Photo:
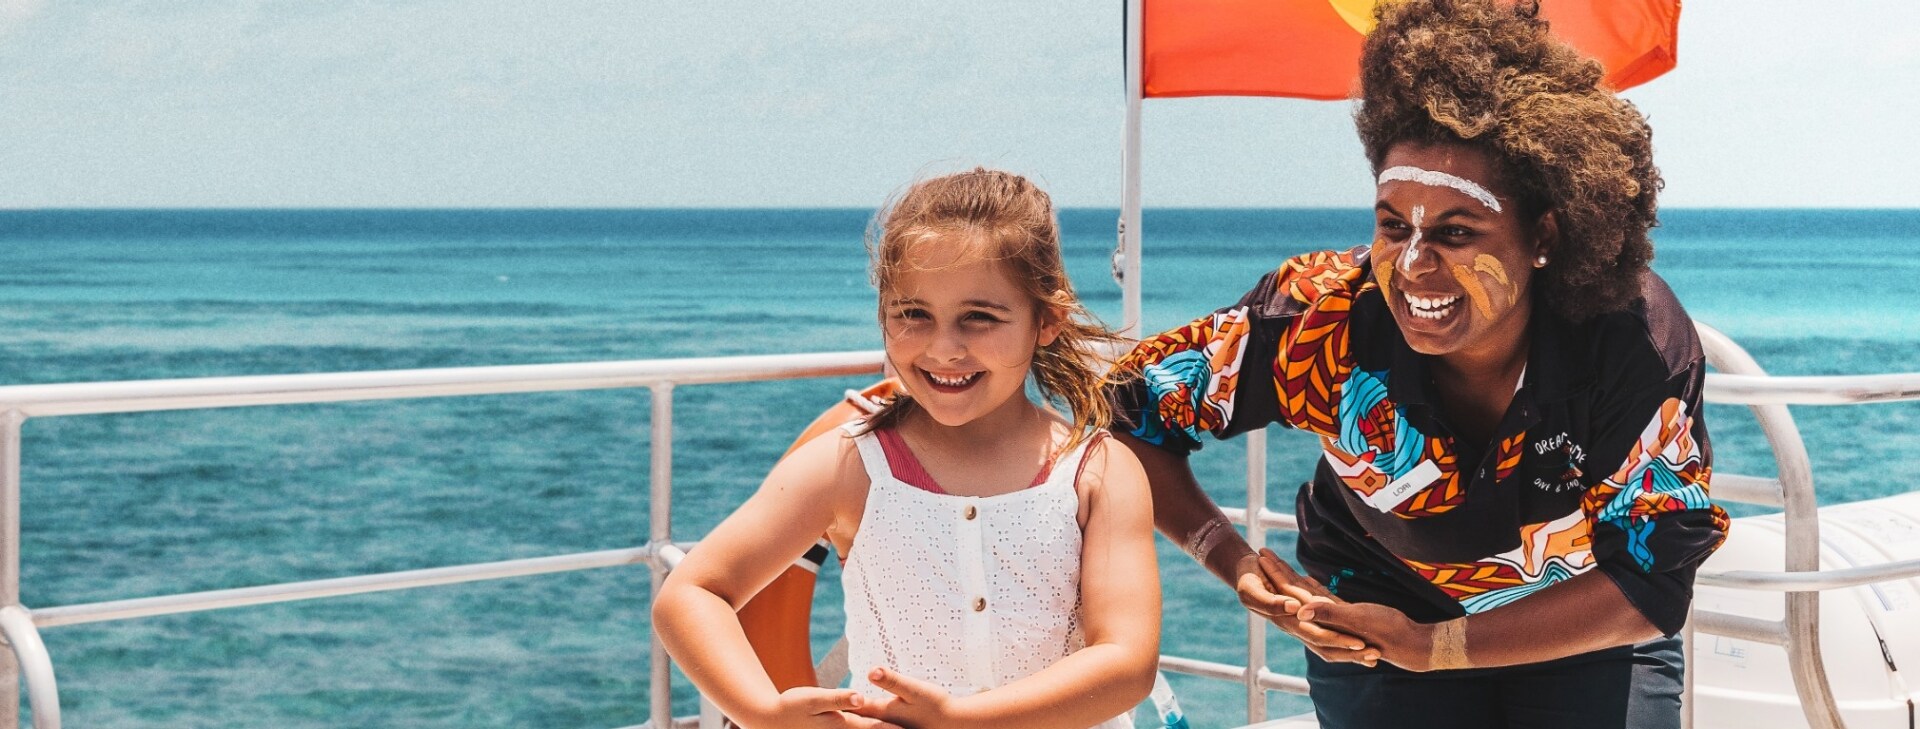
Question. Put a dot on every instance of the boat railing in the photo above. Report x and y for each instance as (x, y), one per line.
(1739, 380)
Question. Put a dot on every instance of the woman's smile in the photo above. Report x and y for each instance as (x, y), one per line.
(1431, 308)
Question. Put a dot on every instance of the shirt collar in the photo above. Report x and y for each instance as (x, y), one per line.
(1555, 369)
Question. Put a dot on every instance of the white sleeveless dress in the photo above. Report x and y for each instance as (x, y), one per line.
(967, 592)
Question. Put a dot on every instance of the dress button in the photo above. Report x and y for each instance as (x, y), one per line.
(971, 512)
(979, 604)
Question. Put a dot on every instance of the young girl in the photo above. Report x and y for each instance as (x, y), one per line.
(999, 566)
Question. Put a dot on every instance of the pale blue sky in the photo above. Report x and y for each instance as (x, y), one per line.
(623, 103)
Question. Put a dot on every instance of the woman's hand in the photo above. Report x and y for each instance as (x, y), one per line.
(1271, 589)
(817, 708)
(1399, 640)
(915, 703)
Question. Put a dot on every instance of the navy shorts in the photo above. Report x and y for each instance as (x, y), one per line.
(1631, 686)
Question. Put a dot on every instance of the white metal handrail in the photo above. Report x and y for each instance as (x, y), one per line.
(1740, 384)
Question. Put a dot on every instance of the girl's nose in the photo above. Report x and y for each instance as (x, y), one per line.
(948, 345)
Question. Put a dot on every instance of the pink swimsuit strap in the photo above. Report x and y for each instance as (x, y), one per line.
(908, 470)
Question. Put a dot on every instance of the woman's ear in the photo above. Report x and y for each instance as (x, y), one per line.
(1546, 238)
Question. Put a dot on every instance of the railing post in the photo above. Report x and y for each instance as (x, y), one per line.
(1802, 516)
(1257, 538)
(1689, 643)
(10, 422)
(660, 534)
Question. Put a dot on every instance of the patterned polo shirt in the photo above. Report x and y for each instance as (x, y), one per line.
(1600, 462)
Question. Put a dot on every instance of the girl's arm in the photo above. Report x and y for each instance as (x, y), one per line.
(1120, 610)
(694, 612)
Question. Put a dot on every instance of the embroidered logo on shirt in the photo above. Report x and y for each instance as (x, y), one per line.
(1568, 454)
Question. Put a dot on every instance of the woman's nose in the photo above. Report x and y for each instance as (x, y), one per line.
(1415, 259)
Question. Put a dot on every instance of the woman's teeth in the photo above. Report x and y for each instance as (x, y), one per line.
(953, 381)
(1430, 308)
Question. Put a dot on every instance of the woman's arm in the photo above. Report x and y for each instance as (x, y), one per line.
(694, 612)
(1652, 524)
(1120, 609)
(1266, 586)
(1581, 615)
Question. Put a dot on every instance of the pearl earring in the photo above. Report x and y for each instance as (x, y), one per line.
(1540, 262)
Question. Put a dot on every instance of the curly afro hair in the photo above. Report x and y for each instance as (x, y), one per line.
(1485, 73)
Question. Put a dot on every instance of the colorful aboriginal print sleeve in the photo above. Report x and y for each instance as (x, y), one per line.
(1651, 519)
(1217, 374)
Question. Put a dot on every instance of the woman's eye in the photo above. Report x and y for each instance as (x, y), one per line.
(1455, 231)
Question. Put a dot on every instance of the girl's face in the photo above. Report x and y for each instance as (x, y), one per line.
(960, 332)
(1450, 252)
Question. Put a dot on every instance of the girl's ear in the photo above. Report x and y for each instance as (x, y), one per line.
(1051, 318)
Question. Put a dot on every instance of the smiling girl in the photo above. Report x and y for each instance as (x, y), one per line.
(1003, 573)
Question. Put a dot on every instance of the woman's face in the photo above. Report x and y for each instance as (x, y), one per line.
(1450, 251)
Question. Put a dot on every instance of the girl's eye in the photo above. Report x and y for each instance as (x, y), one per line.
(911, 314)
(981, 316)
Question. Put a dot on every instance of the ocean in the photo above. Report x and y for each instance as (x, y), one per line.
(126, 506)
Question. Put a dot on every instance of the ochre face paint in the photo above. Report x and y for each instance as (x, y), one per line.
(1441, 179)
(1470, 281)
(1383, 274)
(1413, 244)
(1490, 266)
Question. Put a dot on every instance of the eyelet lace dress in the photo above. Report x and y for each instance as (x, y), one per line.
(967, 592)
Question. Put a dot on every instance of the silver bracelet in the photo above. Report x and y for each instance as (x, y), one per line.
(1202, 541)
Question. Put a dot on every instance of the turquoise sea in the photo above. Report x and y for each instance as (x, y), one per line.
(148, 504)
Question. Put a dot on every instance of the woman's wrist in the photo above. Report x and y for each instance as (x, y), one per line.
(1423, 647)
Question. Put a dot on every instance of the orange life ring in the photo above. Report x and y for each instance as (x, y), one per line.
(778, 619)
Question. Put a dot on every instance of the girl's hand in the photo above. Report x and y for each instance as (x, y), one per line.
(819, 708)
(1280, 605)
(1399, 640)
(915, 703)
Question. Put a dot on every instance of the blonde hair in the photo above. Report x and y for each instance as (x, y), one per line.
(1001, 216)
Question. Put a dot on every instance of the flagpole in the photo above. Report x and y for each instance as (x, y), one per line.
(1126, 263)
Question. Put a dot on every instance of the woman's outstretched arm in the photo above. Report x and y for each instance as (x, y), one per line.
(1266, 586)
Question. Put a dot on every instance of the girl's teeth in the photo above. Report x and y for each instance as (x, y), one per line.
(950, 381)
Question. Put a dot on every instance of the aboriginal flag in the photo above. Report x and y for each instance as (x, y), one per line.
(1310, 49)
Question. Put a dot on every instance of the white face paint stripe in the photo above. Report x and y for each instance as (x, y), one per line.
(1413, 244)
(1441, 179)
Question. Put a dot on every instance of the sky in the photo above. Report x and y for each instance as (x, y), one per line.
(837, 103)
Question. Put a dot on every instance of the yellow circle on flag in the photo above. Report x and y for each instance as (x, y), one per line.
(1357, 13)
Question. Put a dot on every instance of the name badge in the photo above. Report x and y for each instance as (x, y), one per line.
(1404, 487)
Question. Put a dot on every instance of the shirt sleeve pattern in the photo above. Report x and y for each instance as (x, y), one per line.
(1652, 521)
(1189, 378)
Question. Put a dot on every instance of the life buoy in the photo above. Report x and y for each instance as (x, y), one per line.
(778, 619)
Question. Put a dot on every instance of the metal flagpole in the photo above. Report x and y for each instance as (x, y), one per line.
(1126, 256)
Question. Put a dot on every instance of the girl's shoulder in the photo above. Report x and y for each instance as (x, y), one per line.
(1107, 462)
(830, 460)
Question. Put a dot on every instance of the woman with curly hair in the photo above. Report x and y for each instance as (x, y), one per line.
(1512, 500)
